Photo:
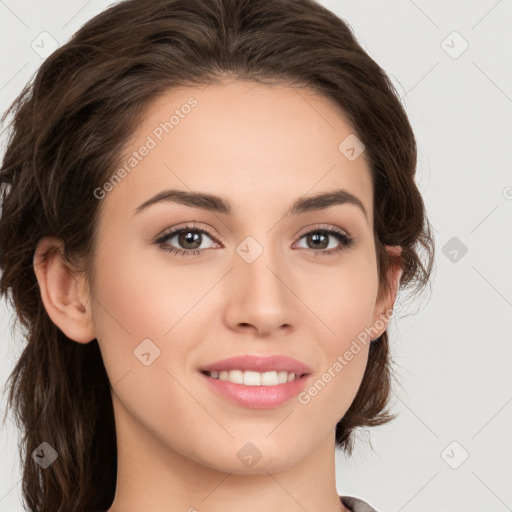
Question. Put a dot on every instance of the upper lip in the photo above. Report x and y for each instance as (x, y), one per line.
(258, 364)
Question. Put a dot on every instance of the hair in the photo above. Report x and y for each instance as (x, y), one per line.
(67, 132)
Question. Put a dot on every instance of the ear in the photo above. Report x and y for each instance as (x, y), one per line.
(64, 294)
(386, 299)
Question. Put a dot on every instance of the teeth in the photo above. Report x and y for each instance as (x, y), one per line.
(250, 378)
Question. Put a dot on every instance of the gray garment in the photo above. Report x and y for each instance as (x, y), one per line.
(356, 504)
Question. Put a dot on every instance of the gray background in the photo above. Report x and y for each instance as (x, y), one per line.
(452, 348)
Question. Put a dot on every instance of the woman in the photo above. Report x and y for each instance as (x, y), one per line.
(208, 209)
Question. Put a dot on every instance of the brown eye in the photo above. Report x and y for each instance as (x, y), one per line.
(317, 240)
(321, 241)
(185, 241)
(189, 239)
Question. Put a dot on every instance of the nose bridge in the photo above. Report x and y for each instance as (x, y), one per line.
(259, 264)
(258, 294)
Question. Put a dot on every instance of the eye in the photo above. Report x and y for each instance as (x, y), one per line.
(319, 239)
(189, 240)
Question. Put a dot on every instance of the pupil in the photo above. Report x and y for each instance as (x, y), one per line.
(190, 237)
(316, 238)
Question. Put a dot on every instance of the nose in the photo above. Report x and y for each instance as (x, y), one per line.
(259, 296)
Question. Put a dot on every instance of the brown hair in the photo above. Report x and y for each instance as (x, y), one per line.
(68, 130)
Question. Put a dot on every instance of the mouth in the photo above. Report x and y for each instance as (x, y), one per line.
(256, 390)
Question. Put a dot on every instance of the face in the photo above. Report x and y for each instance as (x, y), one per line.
(246, 275)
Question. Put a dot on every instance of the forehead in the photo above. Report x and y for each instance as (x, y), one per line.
(242, 140)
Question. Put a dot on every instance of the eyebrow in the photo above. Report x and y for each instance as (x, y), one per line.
(218, 204)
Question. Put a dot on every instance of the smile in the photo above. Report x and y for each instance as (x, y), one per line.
(251, 378)
(265, 390)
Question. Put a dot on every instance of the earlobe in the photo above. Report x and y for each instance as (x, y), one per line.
(64, 294)
(384, 305)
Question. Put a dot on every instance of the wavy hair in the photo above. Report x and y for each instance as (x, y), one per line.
(66, 135)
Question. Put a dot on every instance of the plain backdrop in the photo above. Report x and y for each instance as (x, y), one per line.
(450, 448)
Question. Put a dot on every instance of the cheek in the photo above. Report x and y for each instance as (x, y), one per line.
(349, 309)
(143, 297)
(139, 314)
(344, 356)
(343, 298)
(346, 311)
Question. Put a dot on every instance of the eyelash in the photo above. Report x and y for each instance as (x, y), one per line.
(345, 240)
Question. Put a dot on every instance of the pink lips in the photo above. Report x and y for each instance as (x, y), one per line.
(258, 397)
(258, 364)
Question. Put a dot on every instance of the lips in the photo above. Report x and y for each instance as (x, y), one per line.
(259, 364)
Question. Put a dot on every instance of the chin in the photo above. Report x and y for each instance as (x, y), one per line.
(250, 461)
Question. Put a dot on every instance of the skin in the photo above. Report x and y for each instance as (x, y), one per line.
(261, 147)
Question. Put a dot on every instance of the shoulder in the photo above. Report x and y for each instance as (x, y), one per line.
(356, 504)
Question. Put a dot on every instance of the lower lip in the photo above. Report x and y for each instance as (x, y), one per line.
(257, 397)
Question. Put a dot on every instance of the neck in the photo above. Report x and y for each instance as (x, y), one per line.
(154, 477)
